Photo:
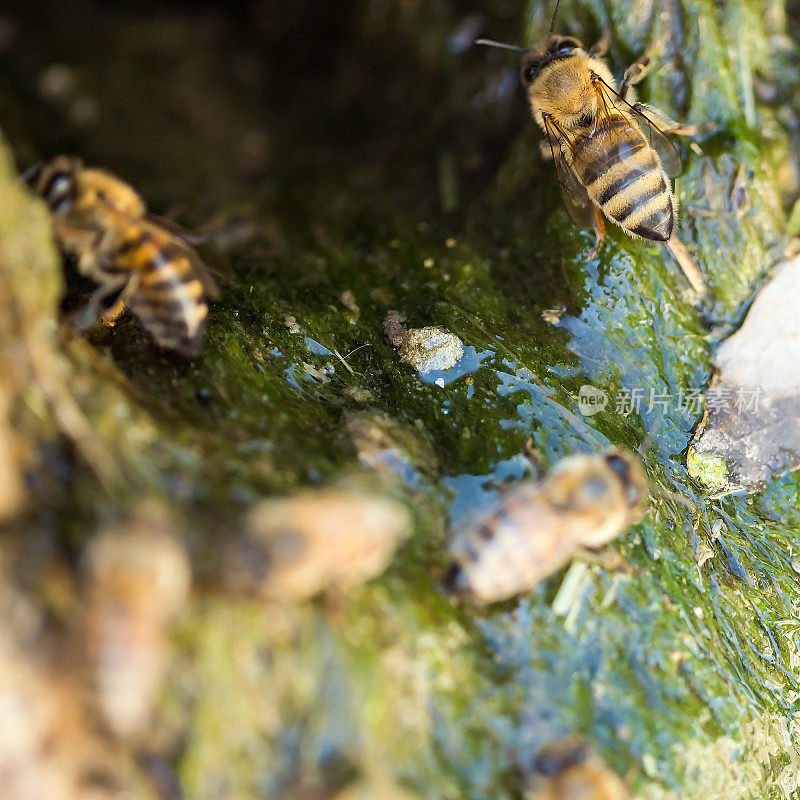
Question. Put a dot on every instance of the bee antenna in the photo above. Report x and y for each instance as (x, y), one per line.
(501, 44)
(31, 175)
(553, 21)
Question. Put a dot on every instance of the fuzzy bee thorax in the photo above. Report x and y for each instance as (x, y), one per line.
(96, 187)
(564, 89)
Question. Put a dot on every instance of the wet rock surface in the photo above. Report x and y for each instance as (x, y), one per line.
(751, 432)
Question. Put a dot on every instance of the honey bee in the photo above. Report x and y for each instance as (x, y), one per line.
(137, 577)
(538, 526)
(48, 747)
(296, 547)
(611, 154)
(569, 771)
(103, 224)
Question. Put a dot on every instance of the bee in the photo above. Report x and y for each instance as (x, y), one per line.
(569, 771)
(296, 547)
(48, 748)
(538, 526)
(137, 578)
(102, 223)
(611, 155)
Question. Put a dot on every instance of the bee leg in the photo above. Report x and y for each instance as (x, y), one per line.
(111, 316)
(606, 559)
(105, 298)
(600, 228)
(686, 263)
(600, 48)
(116, 302)
(633, 75)
(545, 151)
(335, 603)
(534, 458)
(668, 125)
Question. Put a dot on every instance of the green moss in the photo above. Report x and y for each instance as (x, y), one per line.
(709, 470)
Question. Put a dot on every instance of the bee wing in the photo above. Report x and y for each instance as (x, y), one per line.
(190, 237)
(32, 174)
(670, 158)
(184, 241)
(188, 240)
(199, 268)
(573, 193)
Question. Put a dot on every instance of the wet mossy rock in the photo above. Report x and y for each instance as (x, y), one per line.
(348, 162)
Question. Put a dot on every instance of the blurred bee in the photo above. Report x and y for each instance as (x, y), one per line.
(296, 547)
(137, 578)
(48, 748)
(537, 527)
(610, 157)
(102, 223)
(568, 771)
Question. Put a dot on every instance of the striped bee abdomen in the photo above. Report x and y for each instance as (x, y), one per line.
(506, 551)
(623, 176)
(169, 298)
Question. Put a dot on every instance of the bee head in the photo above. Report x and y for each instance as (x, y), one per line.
(556, 759)
(533, 62)
(631, 476)
(54, 181)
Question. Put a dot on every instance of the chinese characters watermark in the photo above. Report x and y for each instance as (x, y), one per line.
(634, 400)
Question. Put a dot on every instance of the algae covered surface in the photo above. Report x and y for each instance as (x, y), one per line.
(346, 160)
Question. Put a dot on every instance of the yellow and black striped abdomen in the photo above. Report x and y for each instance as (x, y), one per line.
(168, 297)
(624, 178)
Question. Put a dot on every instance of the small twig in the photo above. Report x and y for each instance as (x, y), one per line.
(343, 359)
(360, 347)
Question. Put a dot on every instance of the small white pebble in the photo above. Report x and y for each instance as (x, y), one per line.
(431, 348)
(427, 349)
